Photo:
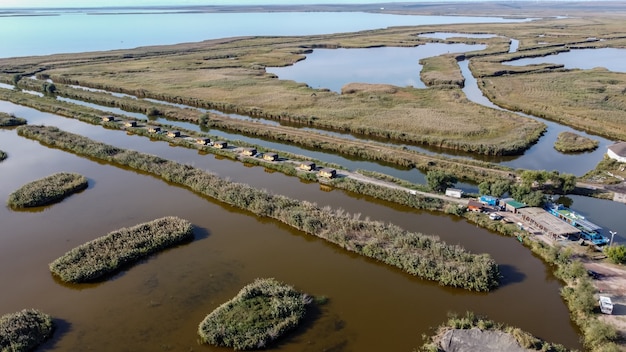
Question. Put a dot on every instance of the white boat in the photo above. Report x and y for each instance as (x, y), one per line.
(606, 306)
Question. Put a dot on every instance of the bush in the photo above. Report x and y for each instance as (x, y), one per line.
(3, 155)
(259, 314)
(109, 253)
(24, 330)
(617, 254)
(47, 190)
(7, 120)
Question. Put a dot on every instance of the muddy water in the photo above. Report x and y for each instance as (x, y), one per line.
(158, 304)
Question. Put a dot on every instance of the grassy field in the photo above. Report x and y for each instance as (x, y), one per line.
(25, 330)
(47, 190)
(108, 254)
(260, 313)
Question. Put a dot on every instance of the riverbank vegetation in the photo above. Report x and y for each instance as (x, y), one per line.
(25, 330)
(570, 142)
(8, 120)
(424, 256)
(259, 314)
(608, 171)
(47, 190)
(108, 254)
(490, 334)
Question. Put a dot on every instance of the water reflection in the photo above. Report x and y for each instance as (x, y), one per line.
(610, 58)
(333, 68)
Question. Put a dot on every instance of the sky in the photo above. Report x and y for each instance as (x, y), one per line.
(113, 3)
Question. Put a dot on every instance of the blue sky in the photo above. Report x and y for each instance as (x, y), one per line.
(105, 3)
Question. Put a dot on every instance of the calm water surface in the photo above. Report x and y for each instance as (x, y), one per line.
(159, 303)
(610, 58)
(81, 31)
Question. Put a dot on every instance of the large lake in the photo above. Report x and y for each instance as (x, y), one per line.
(79, 31)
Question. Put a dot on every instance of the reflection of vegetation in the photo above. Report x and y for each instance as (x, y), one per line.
(24, 330)
(8, 120)
(417, 254)
(109, 253)
(472, 321)
(47, 190)
(259, 314)
(569, 142)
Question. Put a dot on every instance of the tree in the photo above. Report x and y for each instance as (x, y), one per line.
(48, 87)
(617, 254)
(438, 181)
(569, 183)
(16, 78)
(484, 188)
(500, 188)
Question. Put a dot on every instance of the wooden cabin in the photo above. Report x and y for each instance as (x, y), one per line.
(173, 134)
(130, 123)
(328, 173)
(473, 205)
(220, 144)
(108, 118)
(203, 141)
(154, 129)
(270, 156)
(307, 166)
(249, 151)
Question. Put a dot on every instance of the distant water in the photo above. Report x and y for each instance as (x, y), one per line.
(90, 30)
(610, 58)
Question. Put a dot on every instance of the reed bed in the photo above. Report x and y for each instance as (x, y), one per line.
(424, 256)
(25, 330)
(259, 314)
(108, 254)
(7, 120)
(48, 190)
(569, 142)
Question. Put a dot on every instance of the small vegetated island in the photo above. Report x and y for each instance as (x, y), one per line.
(259, 314)
(7, 120)
(569, 142)
(108, 254)
(417, 254)
(24, 330)
(47, 190)
(3, 155)
(473, 333)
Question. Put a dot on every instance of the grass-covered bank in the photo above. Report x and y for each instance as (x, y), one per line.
(473, 333)
(467, 170)
(417, 254)
(48, 190)
(7, 120)
(107, 254)
(25, 330)
(260, 313)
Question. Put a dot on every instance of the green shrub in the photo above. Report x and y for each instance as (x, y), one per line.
(24, 330)
(617, 254)
(107, 254)
(259, 314)
(47, 190)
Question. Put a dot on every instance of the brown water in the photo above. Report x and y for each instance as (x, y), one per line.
(158, 304)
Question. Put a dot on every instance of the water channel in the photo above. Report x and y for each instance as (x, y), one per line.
(371, 306)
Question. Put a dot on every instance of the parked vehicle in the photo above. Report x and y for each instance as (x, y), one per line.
(606, 306)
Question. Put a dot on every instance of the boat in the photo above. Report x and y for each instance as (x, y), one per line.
(606, 306)
(588, 230)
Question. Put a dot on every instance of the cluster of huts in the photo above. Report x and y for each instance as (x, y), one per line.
(251, 152)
